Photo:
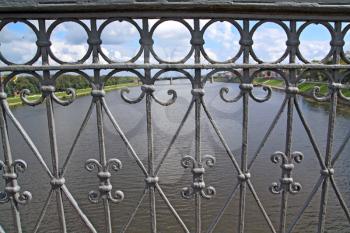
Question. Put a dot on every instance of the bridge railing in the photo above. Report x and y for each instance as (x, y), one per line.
(198, 67)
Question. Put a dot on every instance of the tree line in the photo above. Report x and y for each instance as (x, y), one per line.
(17, 84)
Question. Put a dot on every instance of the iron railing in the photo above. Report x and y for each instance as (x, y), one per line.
(286, 66)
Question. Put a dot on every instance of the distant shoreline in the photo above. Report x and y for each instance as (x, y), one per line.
(16, 101)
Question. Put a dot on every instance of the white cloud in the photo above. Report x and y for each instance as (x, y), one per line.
(314, 49)
(68, 52)
(171, 42)
(17, 43)
(269, 43)
(221, 41)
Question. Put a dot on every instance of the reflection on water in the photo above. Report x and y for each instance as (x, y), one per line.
(173, 177)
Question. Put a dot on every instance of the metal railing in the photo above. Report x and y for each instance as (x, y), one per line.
(51, 68)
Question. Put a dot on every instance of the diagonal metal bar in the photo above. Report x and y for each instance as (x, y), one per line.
(218, 217)
(309, 134)
(43, 212)
(124, 138)
(340, 198)
(175, 137)
(306, 204)
(54, 158)
(75, 205)
(341, 149)
(272, 126)
(221, 137)
(173, 211)
(328, 160)
(27, 139)
(261, 207)
(81, 129)
(16, 216)
(133, 214)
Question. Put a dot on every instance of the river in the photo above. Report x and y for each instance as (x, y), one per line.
(173, 177)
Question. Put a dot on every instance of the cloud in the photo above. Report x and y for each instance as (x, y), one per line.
(68, 52)
(171, 42)
(119, 32)
(269, 43)
(17, 43)
(314, 49)
(221, 41)
(69, 32)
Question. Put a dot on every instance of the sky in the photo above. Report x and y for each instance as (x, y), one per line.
(120, 41)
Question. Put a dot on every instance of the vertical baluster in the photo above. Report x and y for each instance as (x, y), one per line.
(52, 128)
(198, 157)
(54, 157)
(244, 169)
(8, 169)
(147, 41)
(330, 134)
(95, 41)
(151, 158)
(103, 160)
(291, 91)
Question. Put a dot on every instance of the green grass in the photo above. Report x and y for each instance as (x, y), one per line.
(306, 87)
(16, 101)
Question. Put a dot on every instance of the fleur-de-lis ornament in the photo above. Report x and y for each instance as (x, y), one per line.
(287, 183)
(198, 170)
(104, 175)
(12, 189)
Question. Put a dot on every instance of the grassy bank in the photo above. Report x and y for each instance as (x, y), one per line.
(16, 101)
(305, 88)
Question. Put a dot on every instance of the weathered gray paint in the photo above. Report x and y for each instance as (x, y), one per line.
(300, 6)
(333, 15)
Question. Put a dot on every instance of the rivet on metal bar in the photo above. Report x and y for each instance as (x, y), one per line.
(98, 93)
(43, 43)
(151, 181)
(338, 40)
(47, 88)
(246, 87)
(94, 40)
(146, 40)
(198, 92)
(197, 39)
(336, 86)
(327, 172)
(293, 40)
(148, 88)
(246, 40)
(292, 90)
(57, 182)
(244, 176)
(3, 95)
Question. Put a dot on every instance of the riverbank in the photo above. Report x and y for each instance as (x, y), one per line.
(16, 101)
(305, 88)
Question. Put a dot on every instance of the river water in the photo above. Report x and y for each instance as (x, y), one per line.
(173, 177)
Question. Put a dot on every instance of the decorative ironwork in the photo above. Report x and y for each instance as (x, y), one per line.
(286, 183)
(198, 170)
(104, 175)
(197, 60)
